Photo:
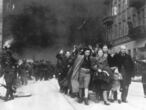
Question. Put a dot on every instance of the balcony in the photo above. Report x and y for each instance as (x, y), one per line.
(137, 3)
(108, 20)
(107, 2)
(137, 32)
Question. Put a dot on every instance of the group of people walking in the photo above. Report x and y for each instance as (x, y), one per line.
(104, 71)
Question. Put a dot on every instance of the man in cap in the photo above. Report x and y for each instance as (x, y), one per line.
(126, 67)
(84, 77)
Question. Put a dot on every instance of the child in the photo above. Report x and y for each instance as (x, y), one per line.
(116, 85)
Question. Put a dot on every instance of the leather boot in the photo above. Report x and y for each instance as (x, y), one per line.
(106, 103)
(80, 100)
(86, 101)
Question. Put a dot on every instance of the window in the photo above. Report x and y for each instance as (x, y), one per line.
(115, 31)
(110, 33)
(126, 29)
(142, 16)
(119, 7)
(125, 5)
(114, 10)
(139, 18)
(13, 7)
(134, 20)
(124, 22)
(145, 15)
(8, 6)
(114, 2)
(125, 2)
(120, 30)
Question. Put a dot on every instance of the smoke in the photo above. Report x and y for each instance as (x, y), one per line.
(54, 23)
(68, 14)
(34, 27)
(8, 43)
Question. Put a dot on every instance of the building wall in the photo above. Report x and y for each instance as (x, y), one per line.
(1, 23)
(118, 31)
(120, 27)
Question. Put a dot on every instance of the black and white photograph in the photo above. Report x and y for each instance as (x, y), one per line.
(72, 54)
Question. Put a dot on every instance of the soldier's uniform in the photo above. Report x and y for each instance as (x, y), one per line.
(9, 71)
(36, 70)
(23, 73)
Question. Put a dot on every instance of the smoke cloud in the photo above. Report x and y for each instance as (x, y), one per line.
(49, 23)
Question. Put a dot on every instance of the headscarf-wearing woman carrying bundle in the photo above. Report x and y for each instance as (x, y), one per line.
(103, 75)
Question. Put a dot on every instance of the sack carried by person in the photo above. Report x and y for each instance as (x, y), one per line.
(103, 75)
(106, 76)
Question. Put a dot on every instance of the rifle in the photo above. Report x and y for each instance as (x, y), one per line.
(2, 85)
(7, 87)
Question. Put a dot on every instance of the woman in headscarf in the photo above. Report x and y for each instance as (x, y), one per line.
(103, 74)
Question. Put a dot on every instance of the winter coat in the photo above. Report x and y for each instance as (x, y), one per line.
(112, 60)
(104, 80)
(126, 67)
(10, 76)
(75, 74)
(65, 81)
(60, 63)
(102, 64)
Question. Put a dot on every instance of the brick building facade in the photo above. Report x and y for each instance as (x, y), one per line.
(125, 23)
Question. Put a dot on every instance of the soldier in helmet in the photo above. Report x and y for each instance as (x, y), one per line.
(9, 71)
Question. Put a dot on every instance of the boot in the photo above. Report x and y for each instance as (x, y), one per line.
(97, 98)
(119, 101)
(73, 95)
(124, 94)
(11, 95)
(112, 100)
(80, 100)
(106, 103)
(6, 98)
(7, 94)
(105, 98)
(124, 101)
(86, 101)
